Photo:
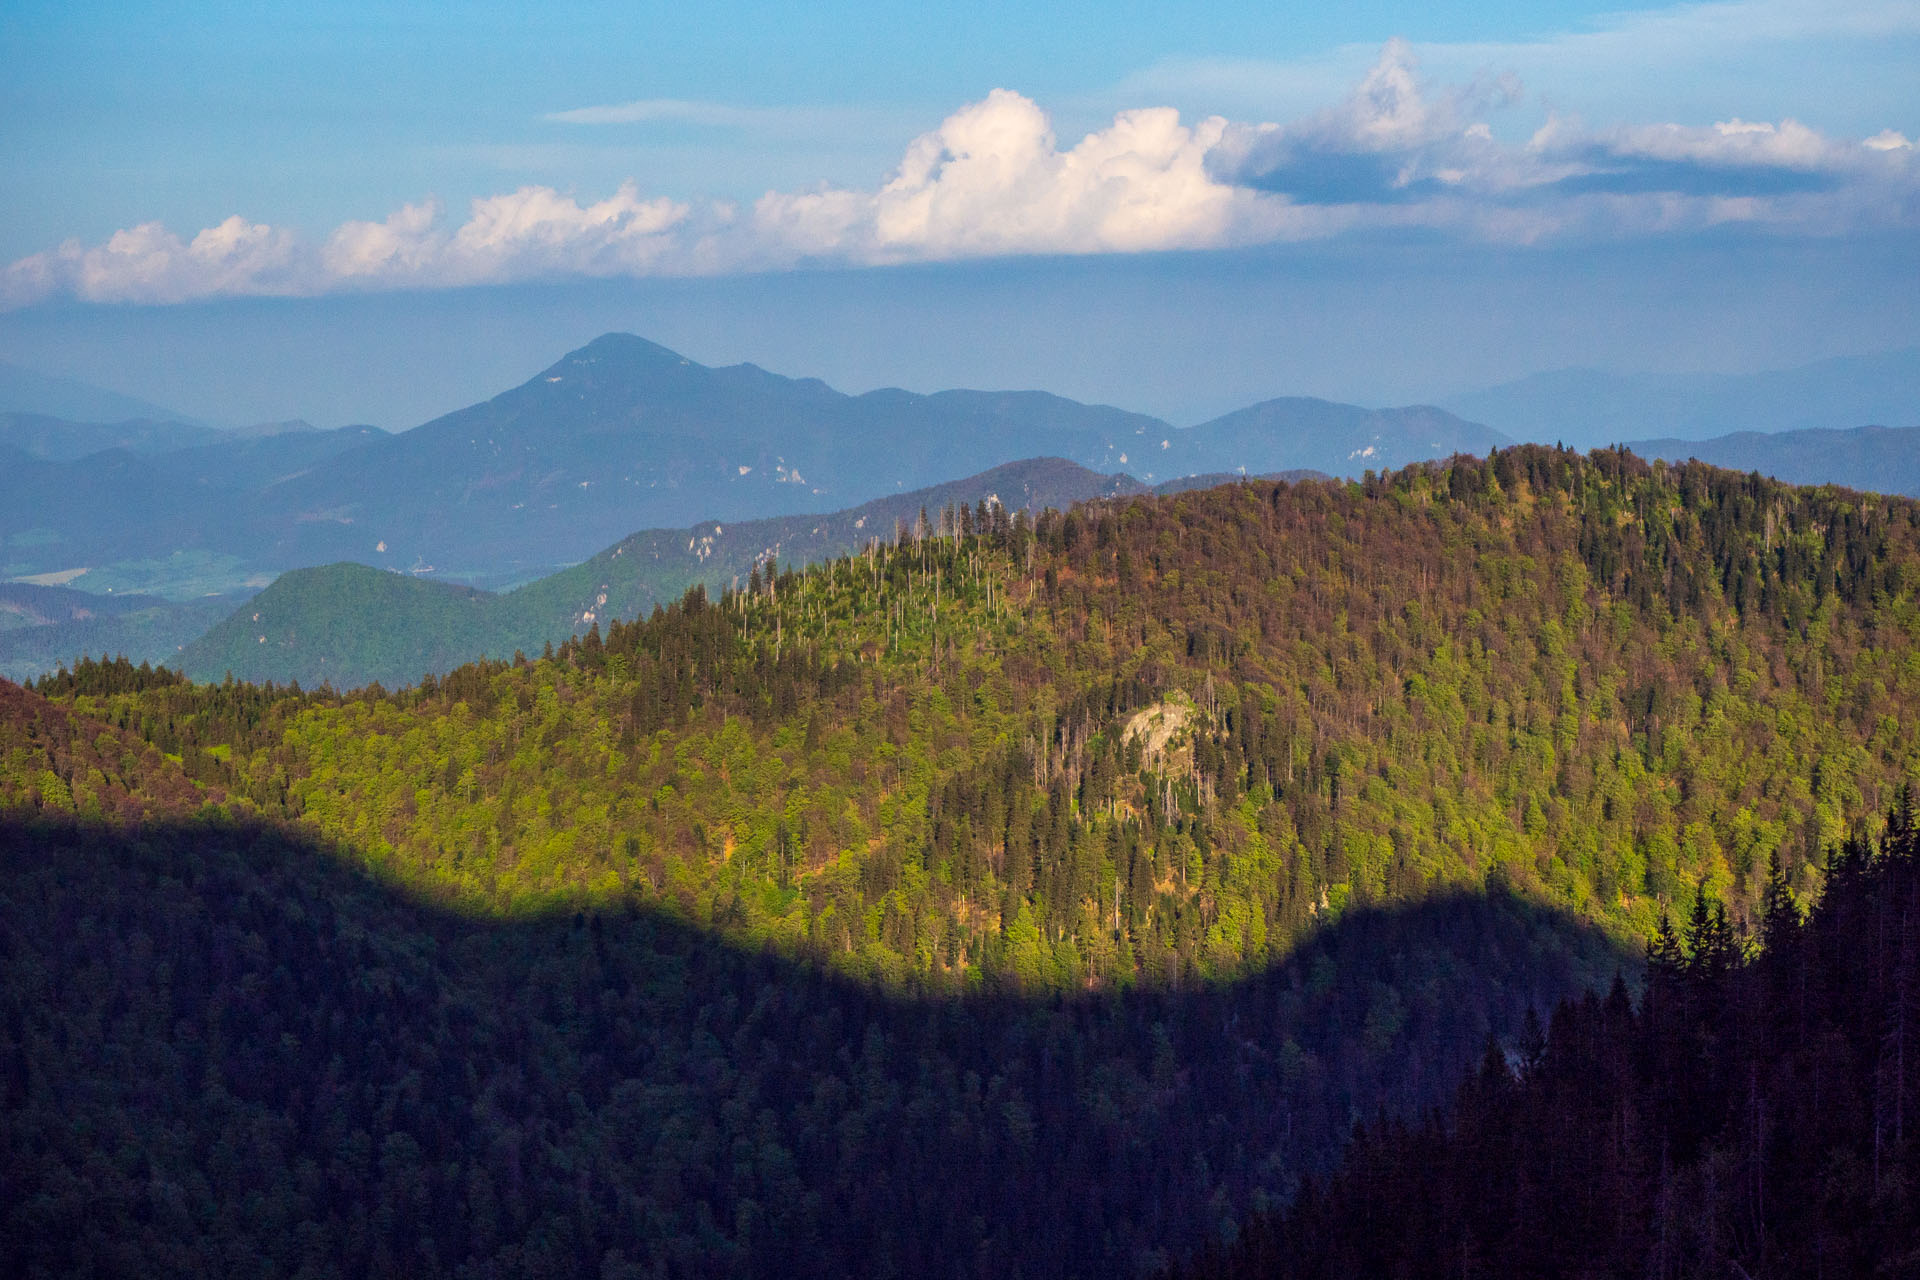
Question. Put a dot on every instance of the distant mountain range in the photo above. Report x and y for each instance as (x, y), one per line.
(1586, 408)
(620, 435)
(1881, 459)
(625, 434)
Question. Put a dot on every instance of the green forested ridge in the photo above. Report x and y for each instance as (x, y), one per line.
(350, 624)
(1239, 816)
(1588, 679)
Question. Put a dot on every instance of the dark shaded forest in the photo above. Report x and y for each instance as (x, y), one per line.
(1754, 1115)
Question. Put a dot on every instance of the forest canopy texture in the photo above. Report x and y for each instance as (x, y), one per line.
(1015, 896)
(1753, 1116)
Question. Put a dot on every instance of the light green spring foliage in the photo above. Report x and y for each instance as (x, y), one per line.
(1578, 678)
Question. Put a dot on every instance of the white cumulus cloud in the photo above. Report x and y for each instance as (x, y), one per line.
(148, 263)
(994, 179)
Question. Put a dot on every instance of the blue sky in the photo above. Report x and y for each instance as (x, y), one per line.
(164, 156)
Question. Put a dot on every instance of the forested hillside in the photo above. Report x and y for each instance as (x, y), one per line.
(221, 1050)
(1157, 739)
(1153, 760)
(1752, 1117)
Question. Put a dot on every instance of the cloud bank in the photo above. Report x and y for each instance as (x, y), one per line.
(993, 180)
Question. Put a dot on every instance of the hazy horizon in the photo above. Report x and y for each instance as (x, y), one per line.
(1181, 336)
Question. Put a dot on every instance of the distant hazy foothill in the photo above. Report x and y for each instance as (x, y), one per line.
(27, 391)
(1588, 408)
(43, 627)
(1339, 439)
(1880, 459)
(50, 439)
(220, 498)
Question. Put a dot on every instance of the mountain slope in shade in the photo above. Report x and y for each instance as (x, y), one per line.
(1339, 439)
(1650, 1129)
(350, 625)
(1878, 459)
(1586, 408)
(178, 983)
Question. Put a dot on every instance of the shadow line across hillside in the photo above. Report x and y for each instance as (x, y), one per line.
(222, 1050)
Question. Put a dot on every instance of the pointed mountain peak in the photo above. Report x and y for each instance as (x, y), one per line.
(623, 349)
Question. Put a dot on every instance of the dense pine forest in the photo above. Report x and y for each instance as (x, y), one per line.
(1753, 1116)
(1015, 897)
